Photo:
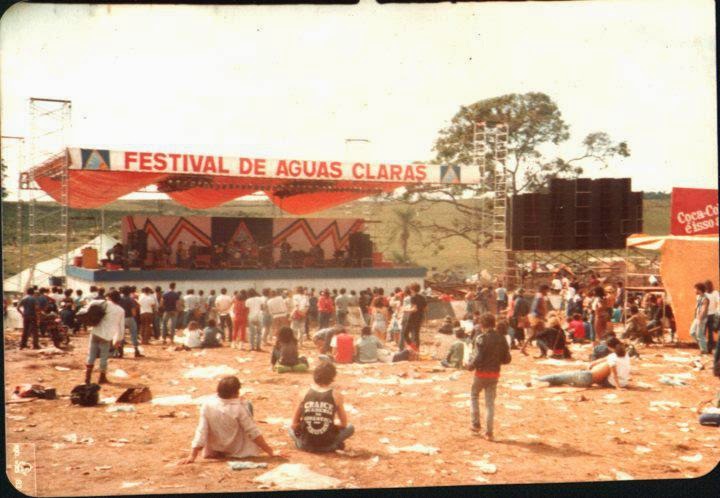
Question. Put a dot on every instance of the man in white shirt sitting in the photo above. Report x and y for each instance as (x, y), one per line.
(111, 329)
(226, 427)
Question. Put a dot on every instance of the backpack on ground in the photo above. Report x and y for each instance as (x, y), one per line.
(92, 314)
(85, 395)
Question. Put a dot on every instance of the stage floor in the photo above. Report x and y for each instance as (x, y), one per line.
(318, 278)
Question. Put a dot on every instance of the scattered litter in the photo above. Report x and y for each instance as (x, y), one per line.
(514, 407)
(665, 405)
(560, 363)
(622, 476)
(247, 465)
(372, 380)
(58, 446)
(677, 359)
(462, 395)
(454, 376)
(120, 408)
(692, 459)
(209, 372)
(611, 422)
(415, 448)
(641, 450)
(526, 396)
(16, 417)
(199, 353)
(681, 424)
(610, 396)
(518, 387)
(70, 438)
(485, 467)
(351, 409)
(623, 430)
(296, 476)
(180, 399)
(384, 440)
(62, 369)
(532, 436)
(174, 382)
(373, 461)
(120, 374)
(392, 418)
(462, 404)
(278, 421)
(126, 485)
(481, 479)
(684, 429)
(242, 360)
(103, 467)
(108, 401)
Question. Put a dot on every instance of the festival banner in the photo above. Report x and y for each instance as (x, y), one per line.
(261, 167)
(694, 211)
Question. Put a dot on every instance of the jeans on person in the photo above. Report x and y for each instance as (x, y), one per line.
(255, 329)
(30, 329)
(697, 332)
(172, 317)
(225, 321)
(131, 325)
(157, 325)
(323, 320)
(99, 348)
(543, 346)
(342, 317)
(490, 387)
(267, 321)
(343, 434)
(581, 378)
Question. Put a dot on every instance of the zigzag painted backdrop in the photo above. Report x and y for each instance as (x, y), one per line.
(301, 233)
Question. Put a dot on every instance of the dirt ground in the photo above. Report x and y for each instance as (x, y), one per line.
(542, 434)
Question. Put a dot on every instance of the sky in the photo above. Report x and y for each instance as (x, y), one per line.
(300, 80)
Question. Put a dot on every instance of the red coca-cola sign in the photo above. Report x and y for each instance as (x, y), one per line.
(694, 211)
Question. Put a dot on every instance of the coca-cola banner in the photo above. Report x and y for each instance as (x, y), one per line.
(694, 211)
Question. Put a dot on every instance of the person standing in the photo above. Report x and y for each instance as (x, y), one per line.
(129, 306)
(202, 308)
(211, 314)
(342, 302)
(192, 303)
(240, 313)
(300, 307)
(490, 351)
(713, 321)
(223, 304)
(279, 312)
(325, 309)
(519, 320)
(267, 318)
(148, 307)
(28, 308)
(157, 319)
(538, 311)
(416, 313)
(700, 316)
(501, 298)
(110, 330)
(256, 306)
(169, 303)
(602, 307)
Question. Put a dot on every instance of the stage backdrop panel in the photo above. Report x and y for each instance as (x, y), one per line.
(169, 230)
(304, 233)
(257, 230)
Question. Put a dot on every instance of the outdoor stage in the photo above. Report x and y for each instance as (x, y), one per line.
(319, 278)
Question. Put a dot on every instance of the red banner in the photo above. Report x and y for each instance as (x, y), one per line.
(694, 211)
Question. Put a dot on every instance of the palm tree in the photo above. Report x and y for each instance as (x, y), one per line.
(402, 227)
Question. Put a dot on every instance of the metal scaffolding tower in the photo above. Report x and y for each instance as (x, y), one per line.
(490, 156)
(47, 220)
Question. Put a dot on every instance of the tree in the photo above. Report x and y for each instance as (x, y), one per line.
(535, 128)
(4, 176)
(402, 227)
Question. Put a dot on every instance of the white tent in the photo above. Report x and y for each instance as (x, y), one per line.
(41, 272)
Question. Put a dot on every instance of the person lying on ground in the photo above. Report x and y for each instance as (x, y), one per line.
(490, 351)
(610, 371)
(552, 339)
(454, 358)
(313, 426)
(193, 337)
(226, 428)
(211, 336)
(367, 346)
(343, 348)
(636, 326)
(284, 356)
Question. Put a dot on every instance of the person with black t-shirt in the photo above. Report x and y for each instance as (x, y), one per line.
(28, 307)
(313, 426)
(416, 313)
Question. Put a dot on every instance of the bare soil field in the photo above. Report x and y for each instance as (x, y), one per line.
(648, 431)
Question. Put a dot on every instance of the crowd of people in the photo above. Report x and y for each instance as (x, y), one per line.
(279, 321)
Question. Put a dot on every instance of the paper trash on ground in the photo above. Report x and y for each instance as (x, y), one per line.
(415, 448)
(485, 467)
(247, 465)
(120, 374)
(209, 372)
(692, 458)
(296, 476)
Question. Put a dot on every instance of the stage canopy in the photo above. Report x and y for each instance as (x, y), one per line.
(686, 260)
(198, 181)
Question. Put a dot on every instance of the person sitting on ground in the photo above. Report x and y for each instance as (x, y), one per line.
(226, 428)
(367, 346)
(193, 337)
(284, 357)
(604, 347)
(454, 358)
(343, 348)
(576, 327)
(313, 426)
(611, 371)
(447, 327)
(552, 339)
(636, 326)
(210, 336)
